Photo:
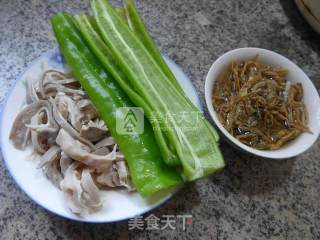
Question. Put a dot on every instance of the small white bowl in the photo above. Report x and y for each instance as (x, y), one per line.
(311, 100)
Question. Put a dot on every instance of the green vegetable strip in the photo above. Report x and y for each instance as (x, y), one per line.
(137, 25)
(130, 14)
(197, 148)
(90, 33)
(148, 173)
(122, 13)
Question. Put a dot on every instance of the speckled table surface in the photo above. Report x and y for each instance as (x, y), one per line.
(252, 198)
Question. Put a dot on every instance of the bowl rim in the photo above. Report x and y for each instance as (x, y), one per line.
(309, 15)
(271, 154)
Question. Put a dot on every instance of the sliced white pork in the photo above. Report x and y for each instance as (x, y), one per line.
(77, 153)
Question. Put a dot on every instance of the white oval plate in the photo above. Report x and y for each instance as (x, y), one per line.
(118, 205)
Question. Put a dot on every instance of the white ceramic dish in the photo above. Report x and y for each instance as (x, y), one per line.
(118, 205)
(311, 99)
(310, 9)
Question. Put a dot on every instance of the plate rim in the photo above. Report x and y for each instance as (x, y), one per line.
(5, 159)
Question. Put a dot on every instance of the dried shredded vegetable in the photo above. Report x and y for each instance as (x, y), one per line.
(258, 106)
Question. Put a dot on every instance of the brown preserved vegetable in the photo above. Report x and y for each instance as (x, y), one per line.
(258, 106)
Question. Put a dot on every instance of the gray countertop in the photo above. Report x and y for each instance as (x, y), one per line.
(252, 198)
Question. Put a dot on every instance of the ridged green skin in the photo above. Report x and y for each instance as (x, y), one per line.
(130, 15)
(90, 33)
(197, 148)
(148, 172)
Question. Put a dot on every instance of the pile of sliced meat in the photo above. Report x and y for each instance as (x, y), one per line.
(77, 153)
